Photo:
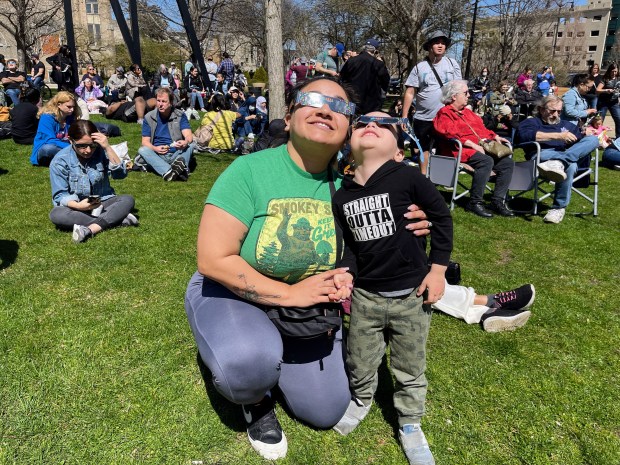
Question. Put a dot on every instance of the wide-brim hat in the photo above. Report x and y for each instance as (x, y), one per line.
(433, 36)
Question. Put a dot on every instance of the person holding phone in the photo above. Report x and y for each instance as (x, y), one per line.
(83, 199)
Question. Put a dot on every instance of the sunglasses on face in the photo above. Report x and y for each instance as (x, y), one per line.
(383, 121)
(316, 100)
(11, 62)
(92, 146)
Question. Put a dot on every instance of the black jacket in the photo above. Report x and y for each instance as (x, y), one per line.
(369, 78)
(381, 254)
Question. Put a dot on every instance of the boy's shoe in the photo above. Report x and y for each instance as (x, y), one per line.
(497, 320)
(552, 170)
(180, 168)
(356, 412)
(415, 445)
(555, 216)
(80, 233)
(170, 175)
(616, 168)
(520, 298)
(264, 430)
(130, 220)
(140, 121)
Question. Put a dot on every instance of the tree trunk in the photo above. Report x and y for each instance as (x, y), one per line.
(273, 12)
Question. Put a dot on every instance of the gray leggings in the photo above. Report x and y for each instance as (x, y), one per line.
(115, 209)
(247, 356)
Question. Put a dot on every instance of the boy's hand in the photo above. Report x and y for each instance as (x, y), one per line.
(434, 284)
(344, 286)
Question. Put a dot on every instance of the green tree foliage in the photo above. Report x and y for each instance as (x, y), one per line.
(260, 75)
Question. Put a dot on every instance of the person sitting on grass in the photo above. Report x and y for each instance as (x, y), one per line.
(394, 287)
(83, 199)
(24, 116)
(52, 132)
(221, 119)
(129, 112)
(167, 139)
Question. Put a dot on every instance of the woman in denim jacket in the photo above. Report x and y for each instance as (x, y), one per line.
(81, 193)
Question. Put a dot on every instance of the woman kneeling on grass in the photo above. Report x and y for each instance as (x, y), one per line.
(82, 196)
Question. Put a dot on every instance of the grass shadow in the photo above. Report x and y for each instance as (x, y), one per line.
(8, 253)
(3, 171)
(229, 413)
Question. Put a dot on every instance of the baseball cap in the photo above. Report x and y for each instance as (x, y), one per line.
(340, 48)
(373, 43)
(233, 88)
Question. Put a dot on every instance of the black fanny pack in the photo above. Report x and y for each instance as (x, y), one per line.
(307, 323)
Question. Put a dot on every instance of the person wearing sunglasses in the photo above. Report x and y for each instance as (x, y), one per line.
(456, 121)
(267, 238)
(12, 80)
(84, 201)
(91, 74)
(394, 284)
(563, 149)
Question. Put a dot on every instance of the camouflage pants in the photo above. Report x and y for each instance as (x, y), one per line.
(406, 320)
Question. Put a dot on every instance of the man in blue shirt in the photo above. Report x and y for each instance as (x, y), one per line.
(227, 69)
(167, 142)
(563, 150)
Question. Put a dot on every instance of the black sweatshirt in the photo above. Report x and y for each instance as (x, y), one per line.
(381, 254)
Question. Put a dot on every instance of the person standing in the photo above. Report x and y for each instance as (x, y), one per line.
(424, 86)
(62, 69)
(227, 69)
(211, 68)
(326, 64)
(368, 76)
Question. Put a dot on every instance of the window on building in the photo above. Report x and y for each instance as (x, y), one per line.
(594, 33)
(550, 34)
(582, 19)
(580, 34)
(94, 32)
(569, 34)
(576, 62)
(560, 33)
(92, 7)
(572, 20)
(596, 18)
(547, 49)
(592, 48)
(578, 48)
(557, 48)
(567, 49)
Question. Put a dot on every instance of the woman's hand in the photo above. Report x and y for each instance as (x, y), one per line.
(501, 140)
(434, 283)
(314, 289)
(100, 139)
(418, 227)
(344, 284)
(84, 205)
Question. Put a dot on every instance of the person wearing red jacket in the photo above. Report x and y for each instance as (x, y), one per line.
(456, 121)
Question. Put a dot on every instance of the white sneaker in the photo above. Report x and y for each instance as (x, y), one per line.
(415, 445)
(356, 412)
(552, 170)
(555, 216)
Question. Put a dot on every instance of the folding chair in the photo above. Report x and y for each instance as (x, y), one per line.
(525, 179)
(444, 171)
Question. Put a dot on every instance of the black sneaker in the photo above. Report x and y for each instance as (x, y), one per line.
(170, 175)
(497, 319)
(520, 298)
(501, 209)
(180, 169)
(264, 430)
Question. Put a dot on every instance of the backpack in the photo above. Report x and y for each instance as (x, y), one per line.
(204, 134)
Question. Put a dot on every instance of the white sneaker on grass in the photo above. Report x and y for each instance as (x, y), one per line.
(80, 233)
(553, 170)
(355, 413)
(555, 215)
(415, 445)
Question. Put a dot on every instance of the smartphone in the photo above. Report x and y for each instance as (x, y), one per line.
(93, 198)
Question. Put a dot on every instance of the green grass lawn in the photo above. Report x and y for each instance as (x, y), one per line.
(98, 365)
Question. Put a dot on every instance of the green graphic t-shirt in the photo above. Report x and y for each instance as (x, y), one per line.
(287, 210)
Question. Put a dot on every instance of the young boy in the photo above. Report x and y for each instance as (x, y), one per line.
(393, 285)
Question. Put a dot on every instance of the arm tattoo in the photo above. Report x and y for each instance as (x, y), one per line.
(248, 292)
